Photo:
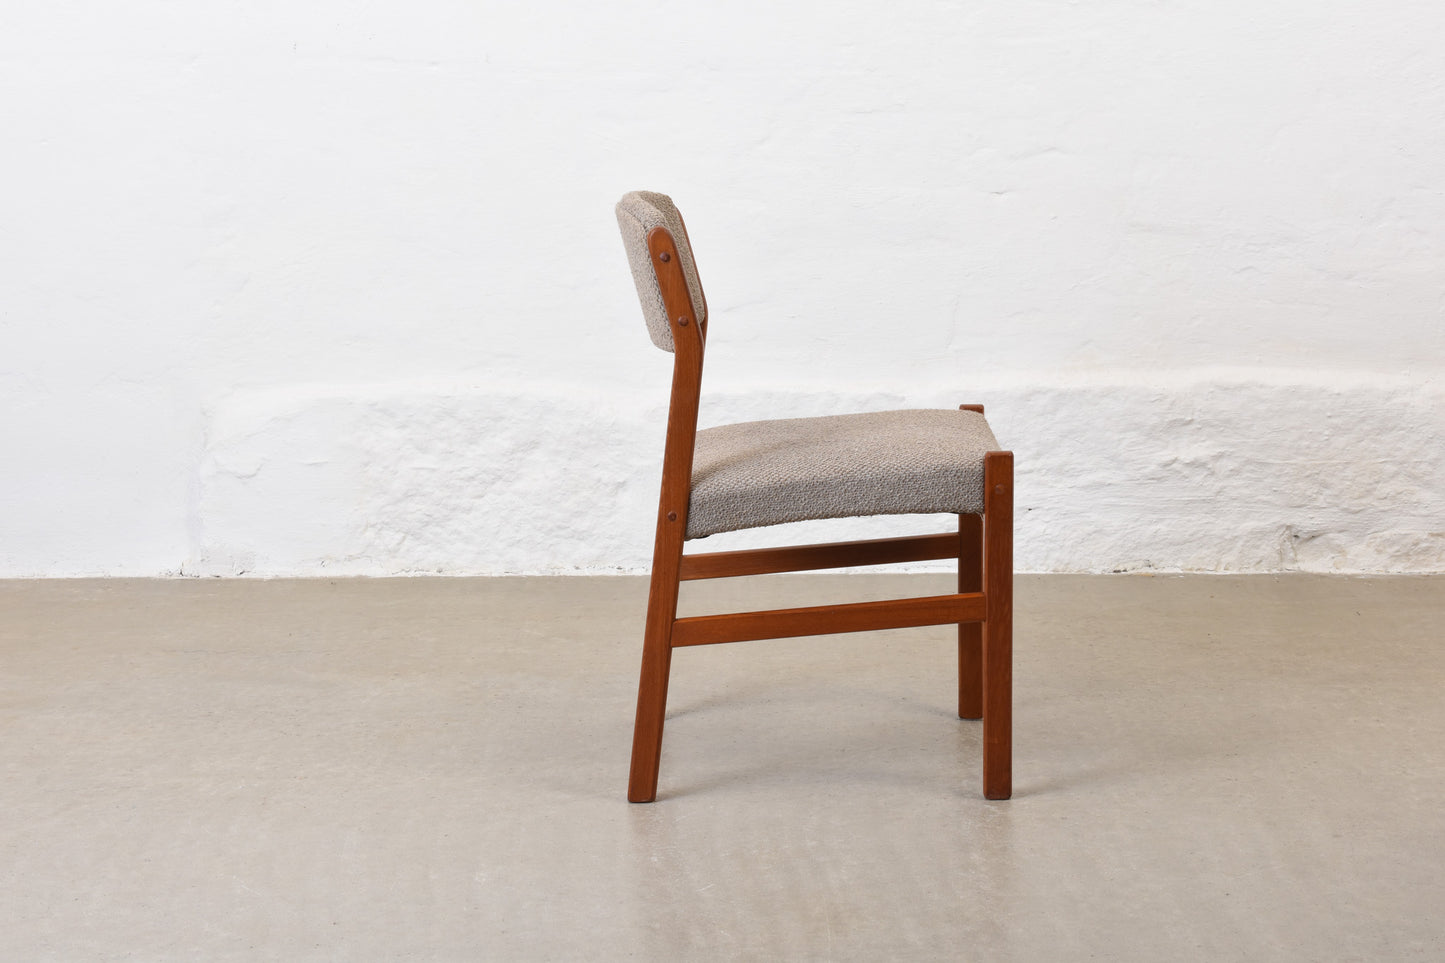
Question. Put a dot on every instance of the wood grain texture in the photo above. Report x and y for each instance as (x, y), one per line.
(998, 471)
(970, 634)
(676, 488)
(827, 619)
(983, 547)
(802, 558)
(702, 295)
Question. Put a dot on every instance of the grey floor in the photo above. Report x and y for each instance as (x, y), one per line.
(1211, 768)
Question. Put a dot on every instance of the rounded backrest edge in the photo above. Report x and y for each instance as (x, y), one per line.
(638, 213)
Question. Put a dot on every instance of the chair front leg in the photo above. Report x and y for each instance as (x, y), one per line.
(998, 629)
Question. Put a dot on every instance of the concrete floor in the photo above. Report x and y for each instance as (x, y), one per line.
(1212, 768)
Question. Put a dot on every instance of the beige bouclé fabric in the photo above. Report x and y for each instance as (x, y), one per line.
(879, 463)
(637, 214)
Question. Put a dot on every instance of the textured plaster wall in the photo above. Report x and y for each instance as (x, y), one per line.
(315, 288)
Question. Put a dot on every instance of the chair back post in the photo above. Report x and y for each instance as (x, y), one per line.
(688, 339)
(701, 294)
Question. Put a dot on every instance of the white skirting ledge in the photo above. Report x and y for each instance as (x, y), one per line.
(1213, 470)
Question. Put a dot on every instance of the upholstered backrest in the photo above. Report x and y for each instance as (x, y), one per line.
(638, 213)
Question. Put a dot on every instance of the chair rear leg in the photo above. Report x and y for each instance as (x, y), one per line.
(651, 712)
(656, 664)
(998, 629)
(970, 634)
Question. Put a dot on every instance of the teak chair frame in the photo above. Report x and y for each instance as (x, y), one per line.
(983, 545)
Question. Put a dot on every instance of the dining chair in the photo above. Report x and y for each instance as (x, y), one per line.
(761, 473)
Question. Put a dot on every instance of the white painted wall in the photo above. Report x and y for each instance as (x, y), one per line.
(314, 288)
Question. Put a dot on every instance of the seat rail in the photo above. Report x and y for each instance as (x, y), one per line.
(803, 558)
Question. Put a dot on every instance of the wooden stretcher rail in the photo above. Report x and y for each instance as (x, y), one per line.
(828, 619)
(801, 558)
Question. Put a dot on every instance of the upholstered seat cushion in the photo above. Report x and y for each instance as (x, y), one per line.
(881, 463)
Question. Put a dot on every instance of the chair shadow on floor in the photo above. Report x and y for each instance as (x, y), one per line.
(929, 747)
